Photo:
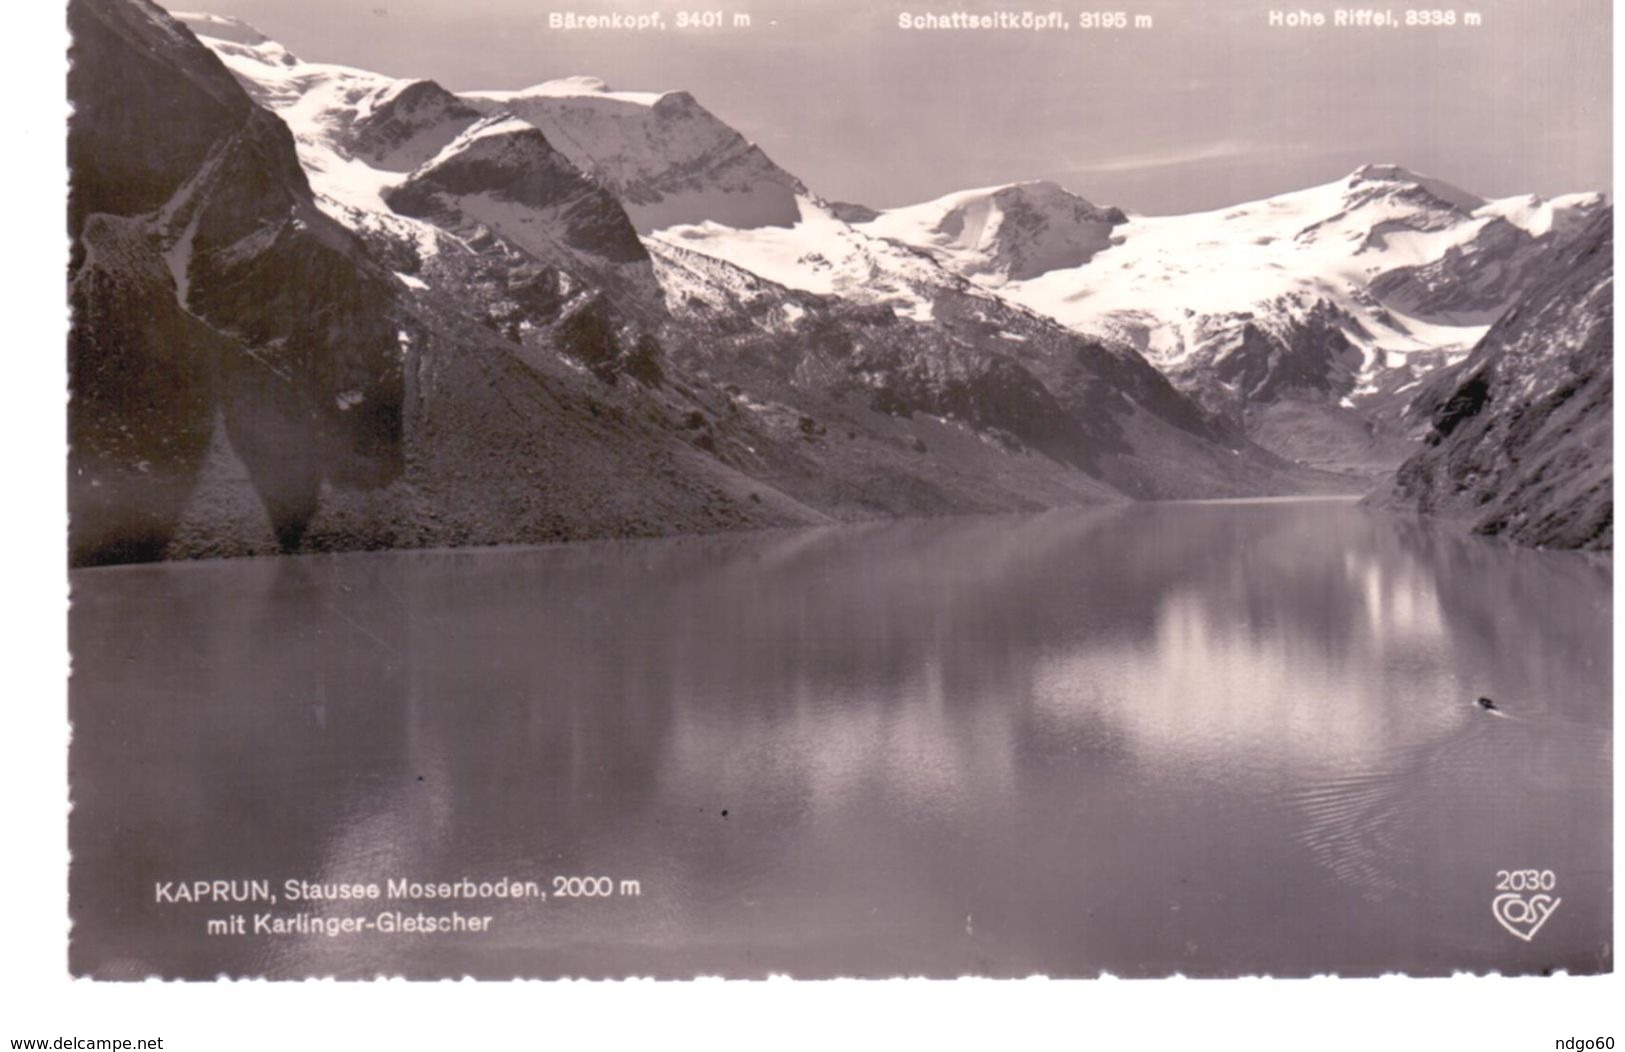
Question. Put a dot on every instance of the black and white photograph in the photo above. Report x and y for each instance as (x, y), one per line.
(620, 490)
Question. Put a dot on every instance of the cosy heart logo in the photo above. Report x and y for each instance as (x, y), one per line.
(1524, 917)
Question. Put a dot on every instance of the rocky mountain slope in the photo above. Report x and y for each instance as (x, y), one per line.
(887, 328)
(248, 374)
(667, 158)
(1520, 434)
(209, 294)
(1014, 381)
(1307, 318)
(316, 308)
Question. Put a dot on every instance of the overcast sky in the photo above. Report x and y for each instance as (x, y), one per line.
(1209, 107)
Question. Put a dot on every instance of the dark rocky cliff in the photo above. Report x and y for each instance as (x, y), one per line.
(207, 287)
(1520, 438)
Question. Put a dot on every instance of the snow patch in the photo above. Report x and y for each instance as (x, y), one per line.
(823, 254)
(220, 27)
(571, 87)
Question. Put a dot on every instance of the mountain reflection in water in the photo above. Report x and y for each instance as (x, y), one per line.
(1206, 738)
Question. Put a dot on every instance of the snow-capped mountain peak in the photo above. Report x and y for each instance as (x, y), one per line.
(1345, 293)
(1391, 271)
(668, 159)
(1010, 232)
(235, 40)
(223, 28)
(500, 176)
(1382, 179)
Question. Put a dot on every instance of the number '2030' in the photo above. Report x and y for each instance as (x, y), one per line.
(1525, 880)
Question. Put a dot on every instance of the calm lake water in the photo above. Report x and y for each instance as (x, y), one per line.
(1212, 739)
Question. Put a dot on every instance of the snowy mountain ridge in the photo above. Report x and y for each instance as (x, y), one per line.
(1335, 301)
(1406, 269)
(1413, 269)
(663, 155)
